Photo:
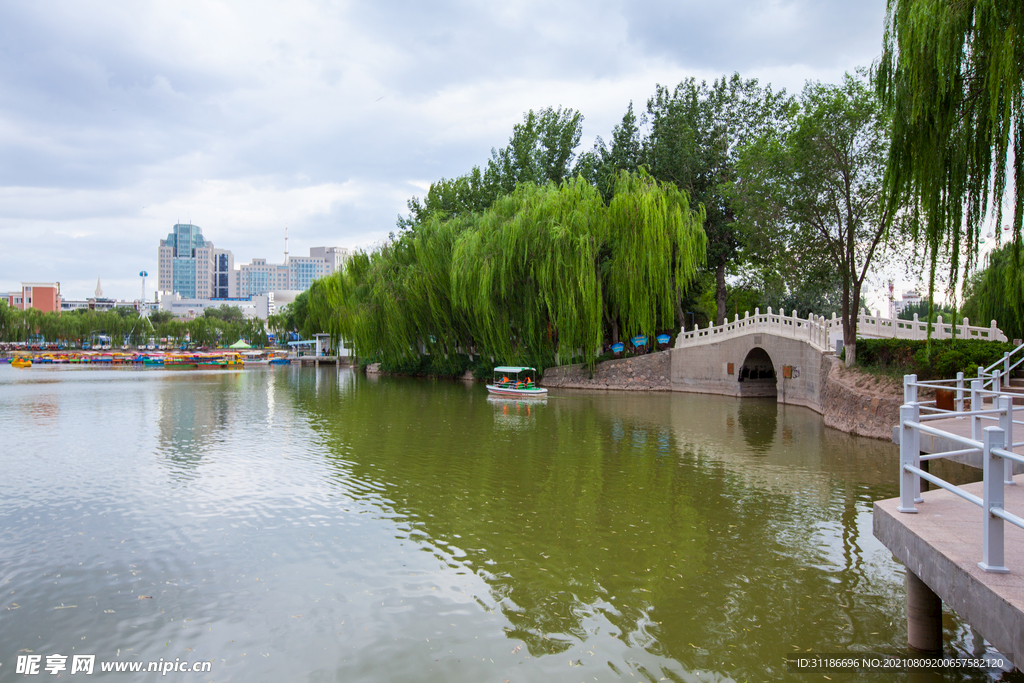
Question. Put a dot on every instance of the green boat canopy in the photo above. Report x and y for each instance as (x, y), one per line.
(513, 368)
(240, 344)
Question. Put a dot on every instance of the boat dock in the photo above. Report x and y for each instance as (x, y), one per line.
(962, 545)
(327, 360)
(941, 546)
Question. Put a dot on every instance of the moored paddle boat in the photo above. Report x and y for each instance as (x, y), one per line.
(20, 362)
(227, 360)
(179, 362)
(517, 381)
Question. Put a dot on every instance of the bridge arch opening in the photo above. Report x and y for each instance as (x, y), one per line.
(757, 375)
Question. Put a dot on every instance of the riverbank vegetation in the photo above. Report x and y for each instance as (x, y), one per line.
(542, 275)
(720, 198)
(947, 357)
(997, 292)
(122, 325)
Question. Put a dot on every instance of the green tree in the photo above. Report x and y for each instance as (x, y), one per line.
(926, 310)
(696, 132)
(816, 190)
(541, 149)
(298, 310)
(601, 165)
(278, 325)
(254, 332)
(226, 313)
(951, 76)
(470, 193)
(535, 275)
(992, 292)
(655, 245)
(160, 317)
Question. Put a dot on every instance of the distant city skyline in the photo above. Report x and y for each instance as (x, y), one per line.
(191, 266)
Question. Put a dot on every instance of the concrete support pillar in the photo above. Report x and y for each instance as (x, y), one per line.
(924, 616)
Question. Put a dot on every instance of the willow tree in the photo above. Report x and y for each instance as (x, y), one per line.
(371, 308)
(952, 77)
(396, 302)
(322, 312)
(530, 277)
(527, 278)
(992, 291)
(656, 242)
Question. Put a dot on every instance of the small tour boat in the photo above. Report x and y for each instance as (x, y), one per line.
(515, 381)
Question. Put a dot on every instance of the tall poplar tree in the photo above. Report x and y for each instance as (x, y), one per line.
(696, 132)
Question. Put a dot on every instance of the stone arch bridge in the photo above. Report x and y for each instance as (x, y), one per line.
(766, 354)
(783, 356)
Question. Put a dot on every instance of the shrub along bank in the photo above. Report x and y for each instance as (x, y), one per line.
(910, 357)
(454, 366)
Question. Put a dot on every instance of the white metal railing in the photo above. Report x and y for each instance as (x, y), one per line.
(995, 447)
(817, 330)
(813, 330)
(1001, 377)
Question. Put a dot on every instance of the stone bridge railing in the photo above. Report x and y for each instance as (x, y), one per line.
(883, 328)
(814, 330)
(818, 330)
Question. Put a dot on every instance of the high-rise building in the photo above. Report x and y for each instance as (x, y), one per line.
(302, 270)
(224, 284)
(296, 273)
(189, 265)
(260, 277)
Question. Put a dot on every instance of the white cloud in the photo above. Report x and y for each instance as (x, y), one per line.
(116, 120)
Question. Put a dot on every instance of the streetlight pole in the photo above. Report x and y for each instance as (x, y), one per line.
(142, 302)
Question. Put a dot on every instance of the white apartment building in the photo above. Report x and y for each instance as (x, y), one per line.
(260, 277)
(296, 273)
(911, 297)
(333, 257)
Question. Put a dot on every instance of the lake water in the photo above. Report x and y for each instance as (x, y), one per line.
(293, 524)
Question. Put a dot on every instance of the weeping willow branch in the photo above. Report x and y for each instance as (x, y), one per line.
(529, 278)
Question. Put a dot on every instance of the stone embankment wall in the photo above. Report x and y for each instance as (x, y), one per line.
(859, 403)
(851, 401)
(650, 372)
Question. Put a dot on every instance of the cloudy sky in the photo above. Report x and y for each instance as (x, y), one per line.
(118, 119)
